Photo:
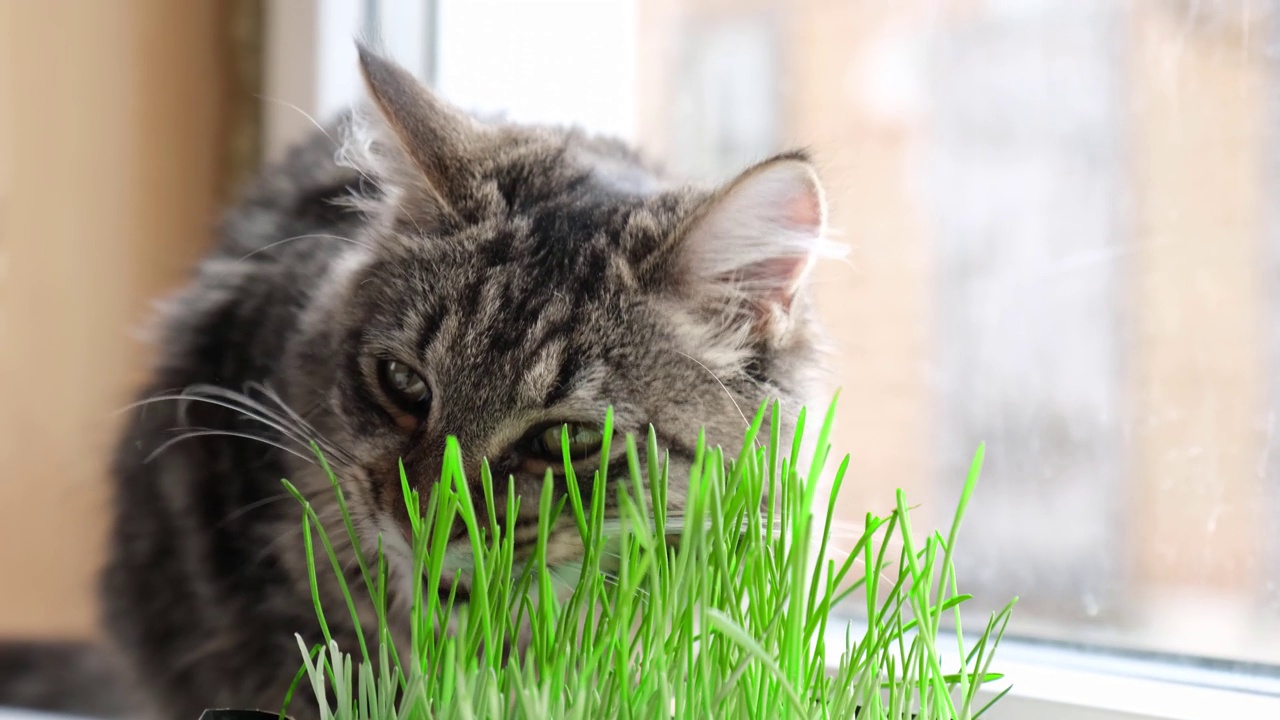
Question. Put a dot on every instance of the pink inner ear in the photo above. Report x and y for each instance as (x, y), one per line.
(803, 211)
(761, 235)
(782, 274)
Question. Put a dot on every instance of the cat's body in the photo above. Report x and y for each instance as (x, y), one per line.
(199, 584)
(491, 282)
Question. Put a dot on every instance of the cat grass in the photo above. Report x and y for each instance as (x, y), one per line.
(724, 612)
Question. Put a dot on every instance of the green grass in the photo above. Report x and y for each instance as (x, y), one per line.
(722, 612)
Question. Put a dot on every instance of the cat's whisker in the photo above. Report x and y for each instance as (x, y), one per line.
(351, 564)
(724, 387)
(310, 236)
(269, 548)
(557, 576)
(223, 433)
(248, 401)
(302, 436)
(301, 433)
(330, 520)
(300, 111)
(185, 398)
(245, 509)
(324, 443)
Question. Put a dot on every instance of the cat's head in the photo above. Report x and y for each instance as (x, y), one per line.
(511, 280)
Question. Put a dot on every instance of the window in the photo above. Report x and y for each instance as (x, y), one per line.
(1066, 244)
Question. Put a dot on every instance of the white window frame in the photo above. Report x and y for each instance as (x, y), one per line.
(311, 72)
(310, 57)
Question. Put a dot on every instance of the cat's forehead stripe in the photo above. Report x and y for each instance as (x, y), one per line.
(540, 373)
(571, 364)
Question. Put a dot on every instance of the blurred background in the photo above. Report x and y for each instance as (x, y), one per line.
(1064, 219)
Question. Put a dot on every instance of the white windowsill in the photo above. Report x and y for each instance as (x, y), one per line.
(1052, 683)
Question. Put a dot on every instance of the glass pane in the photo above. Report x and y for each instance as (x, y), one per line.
(1065, 246)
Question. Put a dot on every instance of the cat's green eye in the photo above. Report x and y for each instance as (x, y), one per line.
(584, 441)
(406, 387)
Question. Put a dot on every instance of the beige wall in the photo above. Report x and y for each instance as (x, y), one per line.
(110, 119)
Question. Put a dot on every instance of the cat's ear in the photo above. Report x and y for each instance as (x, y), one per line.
(432, 135)
(757, 237)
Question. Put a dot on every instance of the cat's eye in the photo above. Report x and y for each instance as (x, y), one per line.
(405, 386)
(585, 440)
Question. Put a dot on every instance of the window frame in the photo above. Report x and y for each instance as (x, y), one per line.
(310, 66)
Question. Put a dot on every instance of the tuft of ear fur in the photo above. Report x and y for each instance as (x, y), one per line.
(415, 143)
(757, 238)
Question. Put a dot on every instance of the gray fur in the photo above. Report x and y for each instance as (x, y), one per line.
(532, 274)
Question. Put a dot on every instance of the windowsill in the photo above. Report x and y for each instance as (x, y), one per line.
(1051, 682)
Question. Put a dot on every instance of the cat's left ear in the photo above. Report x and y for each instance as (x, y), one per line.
(433, 138)
(758, 237)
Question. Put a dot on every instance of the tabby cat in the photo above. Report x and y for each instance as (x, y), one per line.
(409, 273)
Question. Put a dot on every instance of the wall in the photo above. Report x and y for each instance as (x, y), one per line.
(111, 116)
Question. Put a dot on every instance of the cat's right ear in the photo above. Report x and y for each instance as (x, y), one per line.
(430, 137)
(755, 240)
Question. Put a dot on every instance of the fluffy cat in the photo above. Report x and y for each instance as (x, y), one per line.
(433, 275)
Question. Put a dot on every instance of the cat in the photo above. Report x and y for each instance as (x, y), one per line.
(408, 273)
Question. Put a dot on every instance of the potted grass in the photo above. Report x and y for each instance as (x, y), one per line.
(725, 613)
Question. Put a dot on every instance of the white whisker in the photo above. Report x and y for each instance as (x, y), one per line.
(238, 512)
(312, 236)
(223, 433)
(724, 387)
(300, 111)
(183, 398)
